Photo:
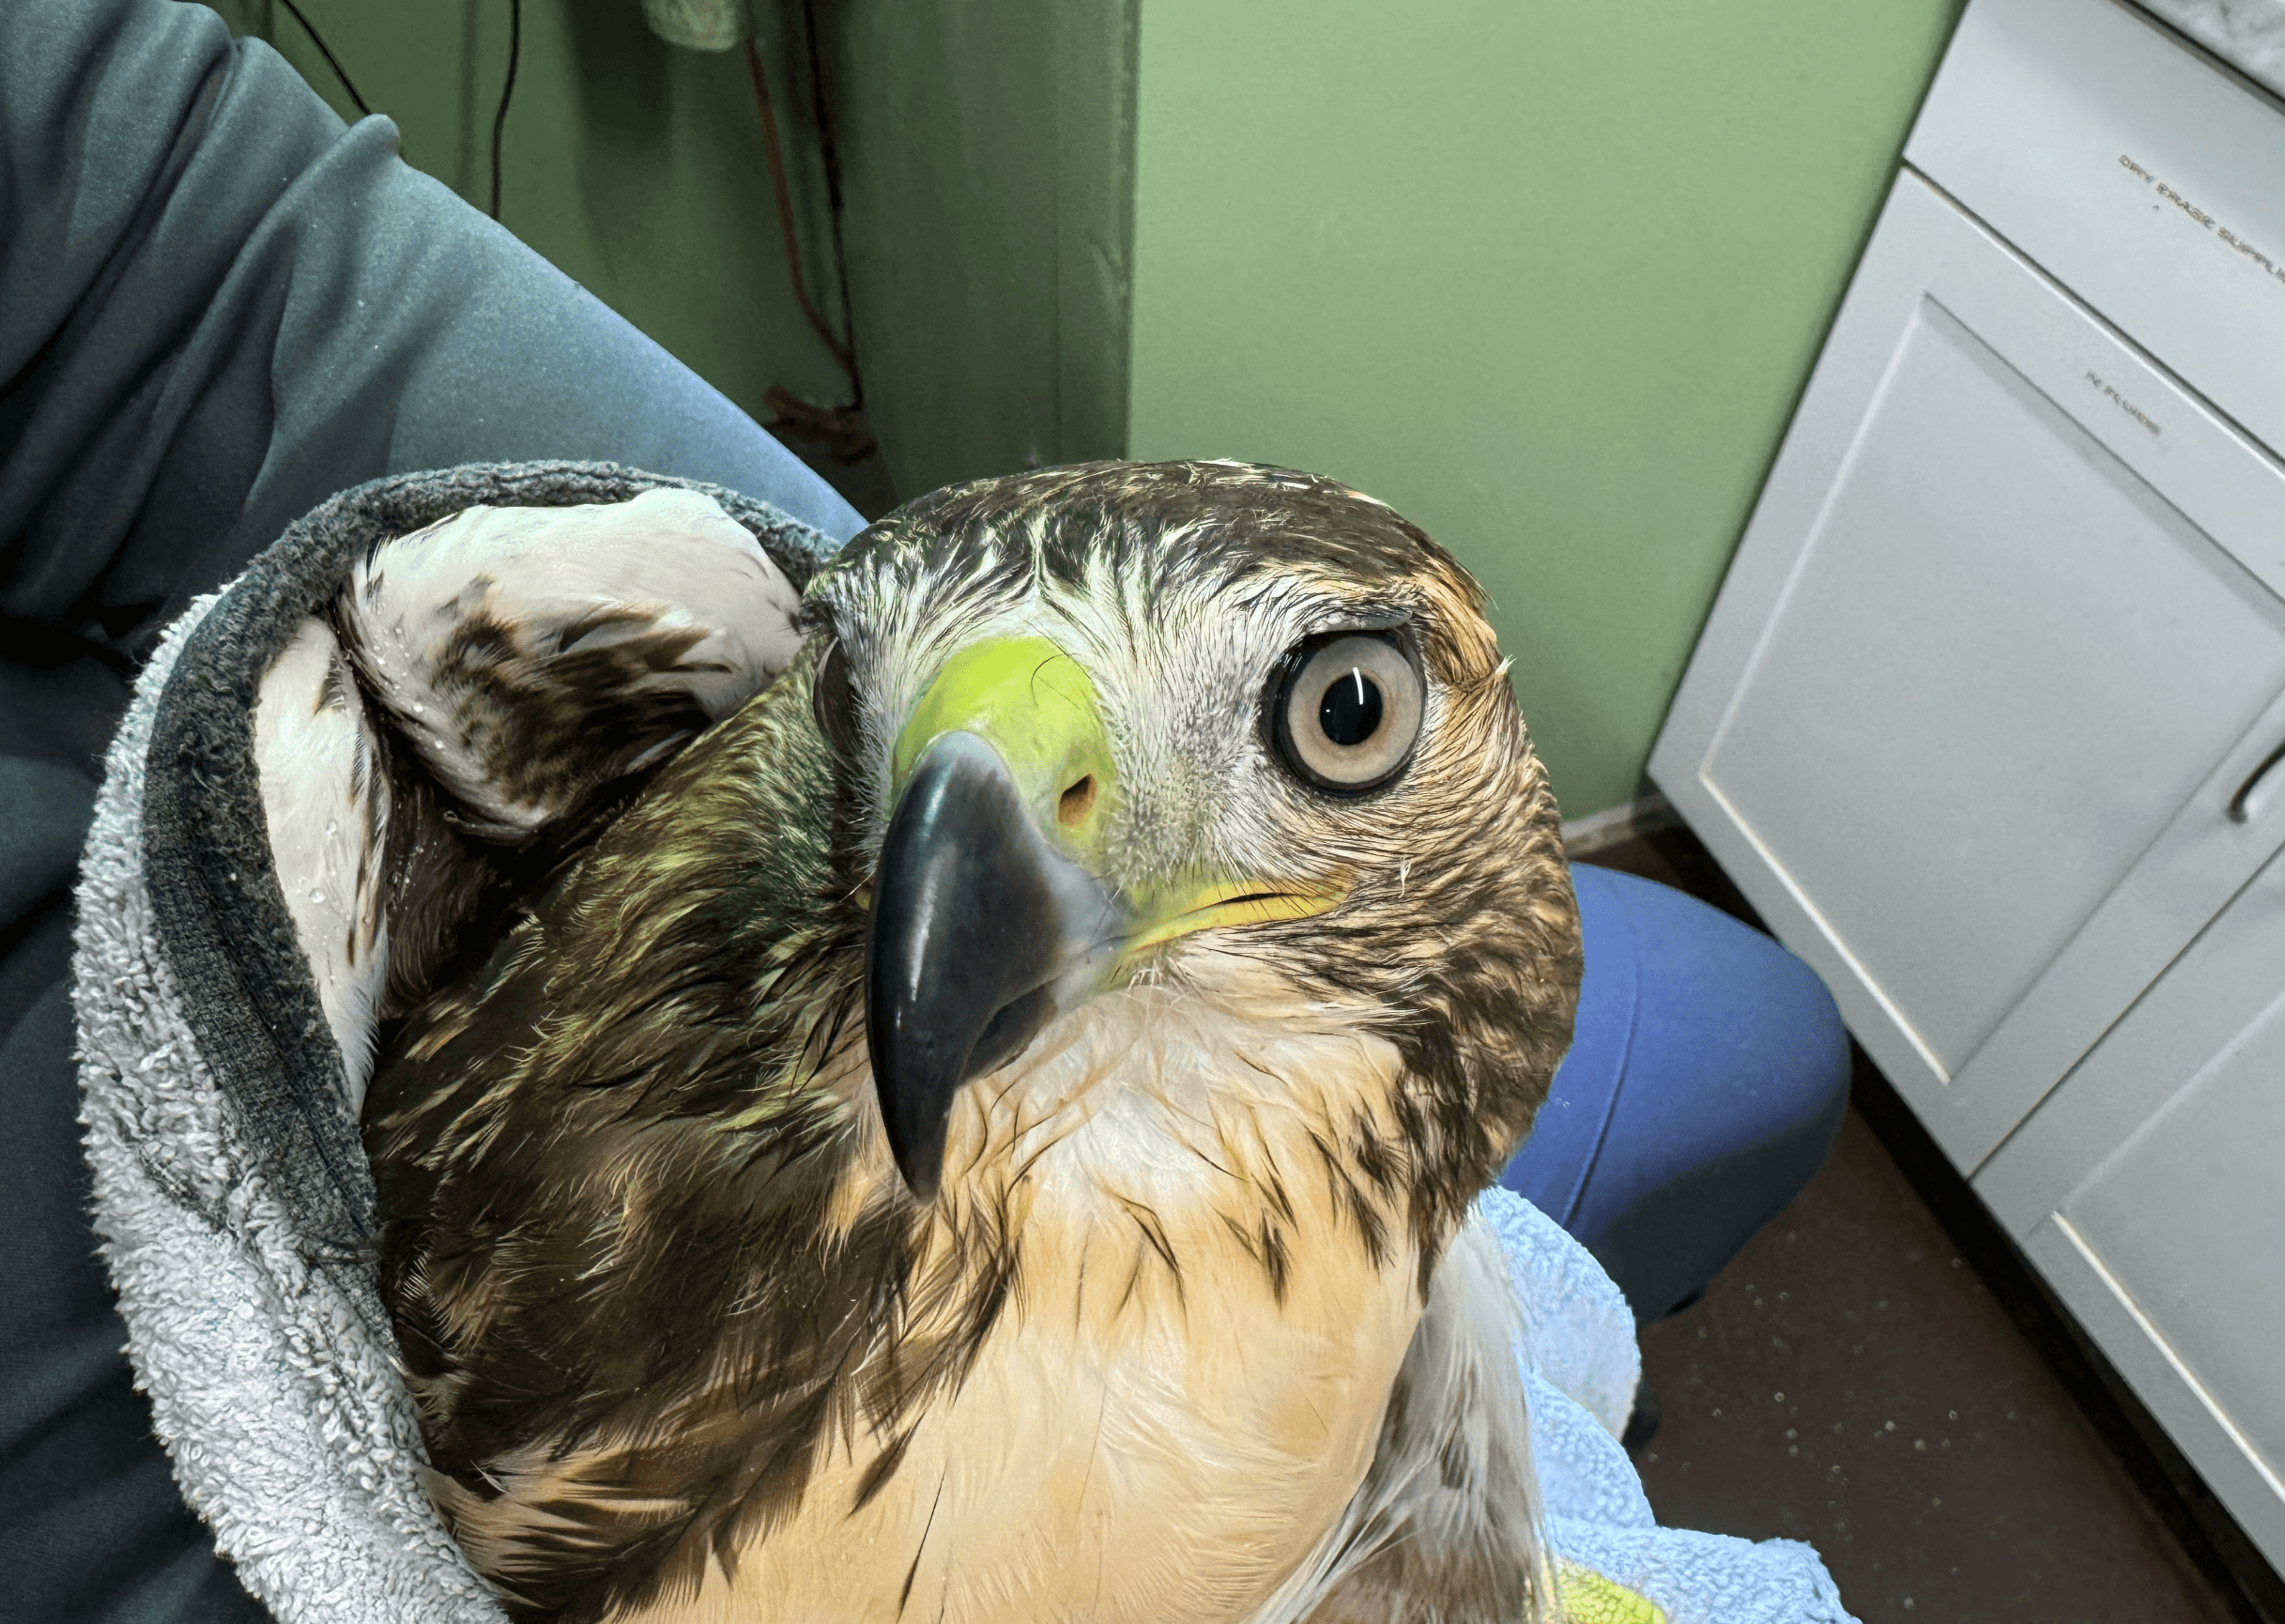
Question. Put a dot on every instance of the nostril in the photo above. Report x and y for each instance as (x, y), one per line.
(1076, 802)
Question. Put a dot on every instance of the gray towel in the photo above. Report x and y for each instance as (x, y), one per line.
(232, 1195)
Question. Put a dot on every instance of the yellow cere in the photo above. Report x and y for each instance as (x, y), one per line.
(1036, 705)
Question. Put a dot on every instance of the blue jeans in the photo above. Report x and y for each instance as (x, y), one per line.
(1705, 1085)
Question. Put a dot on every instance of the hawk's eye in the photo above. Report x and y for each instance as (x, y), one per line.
(1348, 710)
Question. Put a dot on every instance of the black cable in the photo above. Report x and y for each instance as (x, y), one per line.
(841, 429)
(500, 119)
(823, 117)
(332, 61)
(781, 190)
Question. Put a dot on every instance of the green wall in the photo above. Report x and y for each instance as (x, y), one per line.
(635, 167)
(986, 146)
(1548, 278)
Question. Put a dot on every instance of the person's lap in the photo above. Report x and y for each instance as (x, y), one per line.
(1706, 1080)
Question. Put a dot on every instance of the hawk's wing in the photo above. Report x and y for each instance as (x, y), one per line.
(477, 684)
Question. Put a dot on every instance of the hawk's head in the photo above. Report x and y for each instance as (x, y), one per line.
(1184, 759)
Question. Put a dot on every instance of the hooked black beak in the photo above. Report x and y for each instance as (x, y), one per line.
(982, 932)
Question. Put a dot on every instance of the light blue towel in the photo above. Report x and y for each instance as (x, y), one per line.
(1580, 1366)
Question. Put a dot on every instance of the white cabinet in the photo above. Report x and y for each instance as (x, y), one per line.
(1989, 719)
(1987, 673)
(2150, 1191)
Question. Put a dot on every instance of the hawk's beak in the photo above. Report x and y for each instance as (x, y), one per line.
(989, 917)
(985, 926)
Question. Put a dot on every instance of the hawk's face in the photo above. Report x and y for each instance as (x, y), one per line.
(1192, 759)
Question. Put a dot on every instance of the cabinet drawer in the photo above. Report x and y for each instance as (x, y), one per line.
(1993, 661)
(2135, 172)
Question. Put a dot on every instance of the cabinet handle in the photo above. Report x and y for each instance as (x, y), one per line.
(2245, 790)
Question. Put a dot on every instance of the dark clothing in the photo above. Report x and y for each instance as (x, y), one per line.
(218, 307)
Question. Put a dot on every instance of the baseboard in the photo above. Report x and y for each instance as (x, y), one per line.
(1629, 819)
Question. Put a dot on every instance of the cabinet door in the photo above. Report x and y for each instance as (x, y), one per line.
(2150, 1191)
(2001, 646)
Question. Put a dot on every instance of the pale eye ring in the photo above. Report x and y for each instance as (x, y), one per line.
(1348, 712)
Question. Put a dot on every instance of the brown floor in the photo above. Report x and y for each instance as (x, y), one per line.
(1880, 1374)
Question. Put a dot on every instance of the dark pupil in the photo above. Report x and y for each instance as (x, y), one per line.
(1351, 711)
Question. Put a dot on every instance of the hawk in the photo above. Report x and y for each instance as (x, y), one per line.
(988, 1129)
